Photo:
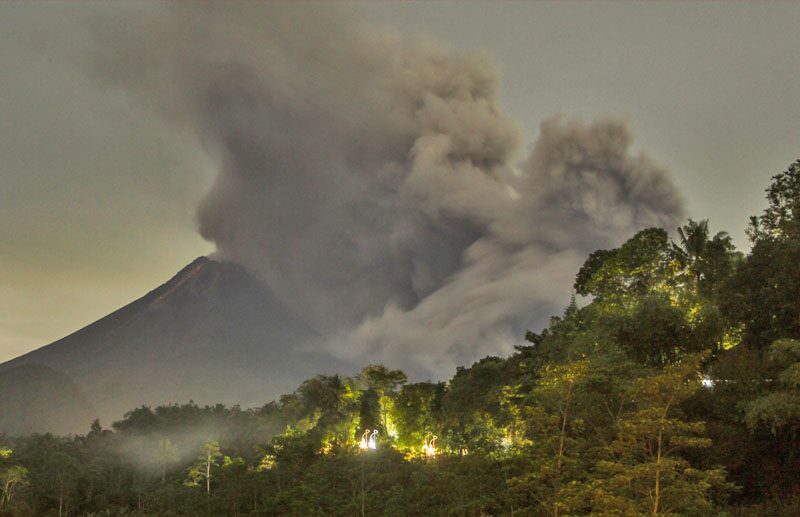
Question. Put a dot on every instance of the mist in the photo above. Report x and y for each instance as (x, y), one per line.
(375, 183)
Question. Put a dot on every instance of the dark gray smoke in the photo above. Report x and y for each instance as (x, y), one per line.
(374, 183)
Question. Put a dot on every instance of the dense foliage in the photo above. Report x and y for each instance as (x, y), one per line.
(670, 387)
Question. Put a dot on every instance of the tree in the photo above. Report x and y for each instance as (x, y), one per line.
(657, 330)
(636, 267)
(779, 409)
(65, 470)
(11, 477)
(693, 239)
(652, 332)
(764, 293)
(592, 264)
(781, 219)
(755, 410)
(650, 297)
(331, 403)
(233, 481)
(643, 472)
(209, 457)
(166, 454)
(554, 427)
(416, 412)
(708, 261)
(471, 404)
(385, 383)
(369, 410)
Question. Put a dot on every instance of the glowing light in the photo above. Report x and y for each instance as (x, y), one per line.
(371, 443)
(363, 443)
(429, 447)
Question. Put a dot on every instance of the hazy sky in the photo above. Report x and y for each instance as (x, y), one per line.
(98, 194)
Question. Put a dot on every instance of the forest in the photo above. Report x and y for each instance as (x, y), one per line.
(669, 386)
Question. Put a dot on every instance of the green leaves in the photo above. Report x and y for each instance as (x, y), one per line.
(781, 219)
(642, 471)
(11, 478)
(779, 408)
(208, 458)
(764, 292)
(385, 383)
(636, 267)
(775, 410)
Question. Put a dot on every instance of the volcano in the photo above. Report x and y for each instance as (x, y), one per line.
(213, 333)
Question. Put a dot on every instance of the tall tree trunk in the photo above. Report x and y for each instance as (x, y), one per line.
(90, 492)
(657, 489)
(208, 475)
(659, 457)
(383, 414)
(561, 444)
(363, 507)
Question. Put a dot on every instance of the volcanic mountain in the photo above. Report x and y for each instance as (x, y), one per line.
(35, 398)
(213, 333)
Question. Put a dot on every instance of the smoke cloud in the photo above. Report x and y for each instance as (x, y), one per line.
(375, 184)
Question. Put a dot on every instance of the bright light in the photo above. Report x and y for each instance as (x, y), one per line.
(429, 447)
(371, 443)
(363, 443)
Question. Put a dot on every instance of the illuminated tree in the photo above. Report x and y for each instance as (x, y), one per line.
(385, 383)
(653, 298)
(332, 403)
(369, 410)
(11, 477)
(416, 410)
(208, 458)
(470, 405)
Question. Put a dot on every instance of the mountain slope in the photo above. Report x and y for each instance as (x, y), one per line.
(35, 398)
(213, 333)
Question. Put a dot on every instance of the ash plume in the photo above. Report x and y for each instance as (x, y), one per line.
(375, 184)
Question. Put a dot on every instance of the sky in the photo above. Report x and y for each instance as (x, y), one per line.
(127, 138)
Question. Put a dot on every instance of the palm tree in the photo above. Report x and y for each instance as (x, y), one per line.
(700, 252)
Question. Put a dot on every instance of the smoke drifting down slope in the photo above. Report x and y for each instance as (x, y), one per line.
(375, 185)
